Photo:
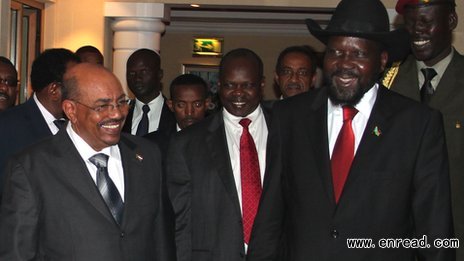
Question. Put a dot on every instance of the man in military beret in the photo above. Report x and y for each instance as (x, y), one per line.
(434, 75)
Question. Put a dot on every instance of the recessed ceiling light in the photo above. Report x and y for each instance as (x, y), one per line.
(195, 5)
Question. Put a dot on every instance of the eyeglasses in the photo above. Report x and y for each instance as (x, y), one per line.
(105, 108)
(289, 72)
(9, 82)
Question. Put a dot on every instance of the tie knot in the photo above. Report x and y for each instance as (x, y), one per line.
(145, 108)
(100, 160)
(245, 122)
(349, 112)
(60, 123)
(428, 73)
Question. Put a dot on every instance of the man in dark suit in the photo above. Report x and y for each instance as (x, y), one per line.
(87, 193)
(375, 168)
(8, 84)
(204, 167)
(150, 111)
(430, 25)
(35, 119)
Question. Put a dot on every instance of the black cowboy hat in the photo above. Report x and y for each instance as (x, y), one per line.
(364, 19)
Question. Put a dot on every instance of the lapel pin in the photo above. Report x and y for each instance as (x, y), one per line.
(377, 132)
(138, 157)
(458, 124)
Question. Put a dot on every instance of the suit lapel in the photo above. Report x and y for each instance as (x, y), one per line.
(128, 123)
(316, 129)
(217, 145)
(77, 175)
(372, 137)
(131, 163)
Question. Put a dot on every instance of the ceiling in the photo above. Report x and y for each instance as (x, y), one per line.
(244, 19)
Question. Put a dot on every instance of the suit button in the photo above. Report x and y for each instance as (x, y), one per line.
(334, 233)
(122, 235)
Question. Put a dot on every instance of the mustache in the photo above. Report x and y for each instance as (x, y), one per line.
(344, 72)
(119, 120)
(294, 86)
(4, 95)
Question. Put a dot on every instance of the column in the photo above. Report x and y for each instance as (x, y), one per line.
(135, 26)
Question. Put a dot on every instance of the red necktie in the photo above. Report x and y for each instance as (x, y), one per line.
(250, 178)
(343, 152)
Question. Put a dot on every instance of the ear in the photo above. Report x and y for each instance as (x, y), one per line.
(276, 78)
(207, 102)
(169, 103)
(383, 60)
(453, 20)
(262, 85)
(54, 91)
(69, 108)
(314, 80)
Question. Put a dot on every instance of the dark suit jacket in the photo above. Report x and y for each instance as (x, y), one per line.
(166, 123)
(52, 209)
(203, 193)
(398, 186)
(20, 127)
(449, 100)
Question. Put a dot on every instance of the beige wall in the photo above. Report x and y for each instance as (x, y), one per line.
(74, 23)
(176, 49)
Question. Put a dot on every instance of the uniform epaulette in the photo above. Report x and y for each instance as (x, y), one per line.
(390, 75)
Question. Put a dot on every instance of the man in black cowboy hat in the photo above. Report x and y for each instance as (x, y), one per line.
(377, 170)
(430, 25)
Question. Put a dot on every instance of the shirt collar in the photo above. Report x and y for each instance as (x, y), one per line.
(49, 118)
(234, 120)
(158, 99)
(439, 67)
(84, 149)
(364, 106)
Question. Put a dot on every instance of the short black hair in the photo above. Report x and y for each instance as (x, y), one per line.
(303, 49)
(50, 67)
(87, 49)
(241, 52)
(188, 79)
(6, 61)
(147, 54)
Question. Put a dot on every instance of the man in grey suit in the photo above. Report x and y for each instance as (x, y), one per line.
(87, 193)
(430, 25)
(212, 200)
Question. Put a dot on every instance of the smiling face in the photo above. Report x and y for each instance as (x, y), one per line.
(351, 67)
(8, 86)
(96, 87)
(295, 74)
(430, 28)
(240, 86)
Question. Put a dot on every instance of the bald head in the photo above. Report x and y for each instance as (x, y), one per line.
(83, 78)
(143, 74)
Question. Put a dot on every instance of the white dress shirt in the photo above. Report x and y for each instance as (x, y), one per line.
(258, 130)
(115, 170)
(154, 115)
(335, 118)
(49, 118)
